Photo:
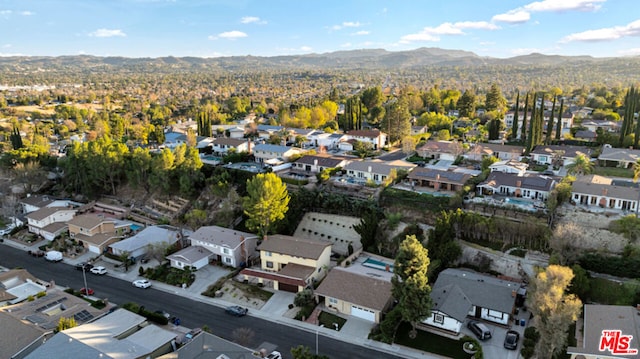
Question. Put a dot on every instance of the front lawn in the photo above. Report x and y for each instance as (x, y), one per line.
(432, 343)
(328, 319)
(253, 291)
(613, 171)
(167, 274)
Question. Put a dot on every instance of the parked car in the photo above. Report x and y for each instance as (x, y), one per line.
(99, 270)
(480, 330)
(84, 265)
(237, 310)
(53, 256)
(511, 339)
(274, 355)
(86, 291)
(36, 253)
(141, 283)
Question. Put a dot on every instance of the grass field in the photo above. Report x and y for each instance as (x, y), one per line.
(431, 343)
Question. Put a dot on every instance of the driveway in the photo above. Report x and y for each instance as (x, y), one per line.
(494, 347)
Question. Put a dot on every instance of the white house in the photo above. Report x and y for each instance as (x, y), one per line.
(221, 146)
(226, 246)
(193, 256)
(49, 222)
(375, 170)
(138, 244)
(376, 138)
(317, 163)
(263, 153)
(509, 166)
(533, 186)
(565, 154)
(596, 192)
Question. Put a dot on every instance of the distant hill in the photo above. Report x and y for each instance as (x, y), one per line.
(354, 59)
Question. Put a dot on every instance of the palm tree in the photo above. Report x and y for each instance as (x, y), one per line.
(581, 166)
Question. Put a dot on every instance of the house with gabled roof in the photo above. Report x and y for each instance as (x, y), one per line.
(193, 256)
(459, 293)
(499, 151)
(602, 327)
(439, 180)
(440, 150)
(96, 232)
(318, 163)
(49, 222)
(375, 137)
(533, 186)
(290, 263)
(620, 157)
(362, 295)
(593, 191)
(375, 170)
(221, 146)
(509, 166)
(565, 155)
(265, 131)
(34, 202)
(138, 244)
(264, 153)
(225, 246)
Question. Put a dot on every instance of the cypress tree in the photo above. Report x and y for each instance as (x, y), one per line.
(559, 124)
(550, 124)
(514, 127)
(523, 135)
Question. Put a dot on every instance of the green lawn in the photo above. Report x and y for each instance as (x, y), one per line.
(604, 291)
(613, 171)
(431, 343)
(327, 319)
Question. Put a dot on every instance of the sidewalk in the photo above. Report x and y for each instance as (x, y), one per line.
(355, 331)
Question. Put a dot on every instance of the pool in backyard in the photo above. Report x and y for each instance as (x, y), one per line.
(520, 202)
(376, 264)
(135, 227)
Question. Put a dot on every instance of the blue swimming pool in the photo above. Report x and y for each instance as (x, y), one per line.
(521, 202)
(374, 263)
(135, 227)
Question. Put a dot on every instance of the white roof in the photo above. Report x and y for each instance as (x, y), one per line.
(149, 235)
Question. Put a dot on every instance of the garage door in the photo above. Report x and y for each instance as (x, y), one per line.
(288, 287)
(363, 313)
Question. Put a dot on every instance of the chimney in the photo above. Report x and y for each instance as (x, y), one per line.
(437, 177)
(513, 293)
(518, 183)
(605, 191)
(369, 169)
(249, 145)
(315, 162)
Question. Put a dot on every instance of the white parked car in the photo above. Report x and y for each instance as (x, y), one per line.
(141, 283)
(100, 270)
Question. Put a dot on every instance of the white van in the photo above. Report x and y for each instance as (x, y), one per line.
(53, 256)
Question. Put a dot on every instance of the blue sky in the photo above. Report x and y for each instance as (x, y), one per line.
(213, 28)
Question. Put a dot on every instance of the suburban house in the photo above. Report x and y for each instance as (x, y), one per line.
(499, 151)
(533, 186)
(619, 157)
(290, 263)
(565, 127)
(595, 191)
(49, 222)
(208, 346)
(226, 246)
(439, 180)
(121, 334)
(16, 285)
(193, 256)
(376, 138)
(604, 327)
(509, 166)
(440, 150)
(509, 117)
(604, 125)
(458, 294)
(586, 135)
(174, 139)
(325, 141)
(375, 170)
(221, 146)
(558, 155)
(265, 131)
(96, 232)
(418, 130)
(137, 245)
(27, 325)
(335, 229)
(267, 153)
(32, 203)
(317, 163)
(357, 294)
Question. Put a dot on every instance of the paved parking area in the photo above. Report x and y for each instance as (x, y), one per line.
(494, 347)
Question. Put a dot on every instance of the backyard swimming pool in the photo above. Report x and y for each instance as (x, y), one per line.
(135, 227)
(521, 202)
(376, 264)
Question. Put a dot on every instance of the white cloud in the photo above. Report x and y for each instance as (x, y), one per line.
(605, 34)
(232, 35)
(5, 12)
(306, 48)
(630, 52)
(6, 46)
(564, 5)
(524, 51)
(26, 13)
(513, 17)
(252, 20)
(361, 32)
(346, 44)
(107, 33)
(346, 24)
(487, 43)
(447, 28)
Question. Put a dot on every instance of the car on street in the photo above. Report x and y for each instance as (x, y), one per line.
(274, 355)
(84, 265)
(237, 310)
(511, 339)
(86, 291)
(99, 270)
(141, 283)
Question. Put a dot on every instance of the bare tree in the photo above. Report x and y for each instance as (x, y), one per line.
(565, 241)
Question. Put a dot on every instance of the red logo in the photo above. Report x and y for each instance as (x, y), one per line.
(616, 343)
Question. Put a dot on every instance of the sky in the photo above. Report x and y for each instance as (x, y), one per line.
(215, 28)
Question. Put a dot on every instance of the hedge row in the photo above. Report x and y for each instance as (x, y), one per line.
(627, 267)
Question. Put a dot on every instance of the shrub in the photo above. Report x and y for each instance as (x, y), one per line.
(41, 294)
(532, 333)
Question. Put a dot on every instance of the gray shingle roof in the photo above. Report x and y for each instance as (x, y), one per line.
(357, 289)
(294, 246)
(451, 300)
(422, 173)
(619, 154)
(534, 182)
(569, 151)
(482, 290)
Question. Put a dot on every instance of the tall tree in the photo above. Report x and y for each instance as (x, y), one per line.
(266, 202)
(410, 282)
(554, 309)
(396, 121)
(467, 104)
(516, 115)
(559, 124)
(582, 165)
(523, 131)
(550, 124)
(494, 100)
